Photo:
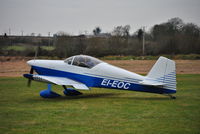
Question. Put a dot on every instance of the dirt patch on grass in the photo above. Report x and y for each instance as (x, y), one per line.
(15, 68)
(144, 66)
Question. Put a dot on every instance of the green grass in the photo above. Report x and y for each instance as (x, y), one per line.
(15, 48)
(48, 48)
(23, 47)
(99, 111)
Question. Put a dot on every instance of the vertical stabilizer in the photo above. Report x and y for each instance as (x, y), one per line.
(164, 71)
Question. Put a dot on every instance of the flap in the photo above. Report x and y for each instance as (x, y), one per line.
(61, 81)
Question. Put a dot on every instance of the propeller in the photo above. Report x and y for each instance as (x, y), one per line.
(29, 80)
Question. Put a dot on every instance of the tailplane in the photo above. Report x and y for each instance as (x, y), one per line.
(164, 71)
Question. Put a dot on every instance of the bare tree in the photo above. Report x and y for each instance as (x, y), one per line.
(121, 31)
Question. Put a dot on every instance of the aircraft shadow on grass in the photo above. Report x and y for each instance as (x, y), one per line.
(99, 95)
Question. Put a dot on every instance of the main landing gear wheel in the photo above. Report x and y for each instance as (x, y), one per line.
(71, 91)
(171, 96)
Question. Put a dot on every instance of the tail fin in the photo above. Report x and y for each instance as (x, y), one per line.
(164, 71)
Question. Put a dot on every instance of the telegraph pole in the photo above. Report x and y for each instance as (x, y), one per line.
(49, 37)
(143, 40)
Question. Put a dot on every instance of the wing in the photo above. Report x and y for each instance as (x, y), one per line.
(60, 81)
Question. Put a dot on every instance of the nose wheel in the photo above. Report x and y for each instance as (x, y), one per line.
(47, 93)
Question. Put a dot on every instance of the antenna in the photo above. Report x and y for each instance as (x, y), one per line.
(49, 40)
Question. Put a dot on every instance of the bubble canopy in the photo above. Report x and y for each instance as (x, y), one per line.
(83, 61)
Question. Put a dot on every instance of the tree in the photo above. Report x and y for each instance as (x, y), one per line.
(191, 29)
(61, 33)
(117, 31)
(190, 39)
(39, 35)
(32, 34)
(5, 35)
(126, 30)
(170, 28)
(176, 23)
(97, 31)
(174, 36)
(122, 31)
(140, 34)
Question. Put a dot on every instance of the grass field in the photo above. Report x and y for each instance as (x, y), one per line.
(99, 111)
(15, 47)
(23, 47)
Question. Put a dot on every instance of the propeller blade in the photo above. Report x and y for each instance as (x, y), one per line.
(31, 71)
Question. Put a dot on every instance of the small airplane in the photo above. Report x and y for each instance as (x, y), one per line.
(83, 72)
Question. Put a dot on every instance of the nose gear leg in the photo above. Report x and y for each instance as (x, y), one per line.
(48, 93)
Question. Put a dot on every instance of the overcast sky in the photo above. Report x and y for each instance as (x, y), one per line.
(78, 16)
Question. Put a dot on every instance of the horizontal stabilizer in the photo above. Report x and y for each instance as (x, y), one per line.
(151, 83)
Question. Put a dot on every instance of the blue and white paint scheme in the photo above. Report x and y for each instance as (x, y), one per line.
(83, 72)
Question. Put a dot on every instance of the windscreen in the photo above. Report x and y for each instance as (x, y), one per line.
(68, 60)
(85, 61)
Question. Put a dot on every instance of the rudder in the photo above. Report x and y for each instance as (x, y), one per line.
(164, 71)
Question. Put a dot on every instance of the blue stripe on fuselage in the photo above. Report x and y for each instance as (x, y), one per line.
(92, 81)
